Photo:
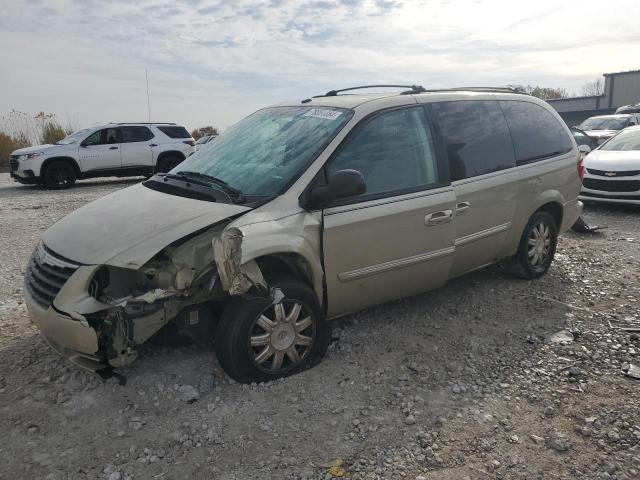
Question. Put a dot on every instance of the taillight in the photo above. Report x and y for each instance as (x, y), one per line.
(581, 169)
(190, 142)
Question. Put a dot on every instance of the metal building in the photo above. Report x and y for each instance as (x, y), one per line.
(620, 88)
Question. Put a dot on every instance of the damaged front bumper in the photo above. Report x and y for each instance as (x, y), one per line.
(73, 339)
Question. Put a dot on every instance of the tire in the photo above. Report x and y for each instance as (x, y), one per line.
(257, 341)
(537, 247)
(59, 175)
(167, 163)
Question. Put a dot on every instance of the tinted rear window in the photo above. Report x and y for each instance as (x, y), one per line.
(536, 133)
(476, 137)
(175, 132)
(135, 134)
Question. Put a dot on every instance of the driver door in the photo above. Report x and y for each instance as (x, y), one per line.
(396, 239)
(100, 151)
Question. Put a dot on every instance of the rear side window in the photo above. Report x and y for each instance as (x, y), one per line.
(135, 134)
(536, 133)
(174, 132)
(476, 137)
(394, 151)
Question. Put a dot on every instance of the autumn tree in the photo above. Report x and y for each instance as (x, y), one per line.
(202, 131)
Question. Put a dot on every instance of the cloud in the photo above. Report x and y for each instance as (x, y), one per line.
(215, 61)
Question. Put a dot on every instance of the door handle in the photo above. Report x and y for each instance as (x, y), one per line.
(153, 144)
(113, 148)
(438, 218)
(462, 207)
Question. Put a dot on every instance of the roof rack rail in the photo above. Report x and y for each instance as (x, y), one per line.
(412, 89)
(142, 123)
(480, 89)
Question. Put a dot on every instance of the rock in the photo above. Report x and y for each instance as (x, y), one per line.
(558, 442)
(561, 337)
(536, 439)
(410, 420)
(114, 476)
(613, 435)
(188, 393)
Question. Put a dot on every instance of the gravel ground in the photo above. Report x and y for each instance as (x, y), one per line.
(466, 382)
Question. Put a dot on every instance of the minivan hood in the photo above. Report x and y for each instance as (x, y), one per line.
(37, 148)
(612, 160)
(128, 227)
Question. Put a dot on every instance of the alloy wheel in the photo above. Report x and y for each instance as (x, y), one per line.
(539, 244)
(282, 336)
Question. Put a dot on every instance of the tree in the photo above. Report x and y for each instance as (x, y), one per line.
(53, 132)
(592, 89)
(545, 93)
(7, 145)
(202, 131)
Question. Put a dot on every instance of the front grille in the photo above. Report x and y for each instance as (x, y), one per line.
(46, 274)
(612, 185)
(13, 162)
(609, 173)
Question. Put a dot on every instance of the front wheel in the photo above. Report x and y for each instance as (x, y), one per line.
(537, 247)
(258, 341)
(59, 175)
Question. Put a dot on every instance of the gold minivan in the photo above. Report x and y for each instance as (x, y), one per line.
(304, 212)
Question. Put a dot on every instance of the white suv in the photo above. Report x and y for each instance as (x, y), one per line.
(116, 149)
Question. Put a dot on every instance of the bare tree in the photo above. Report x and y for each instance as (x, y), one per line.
(202, 131)
(545, 93)
(592, 89)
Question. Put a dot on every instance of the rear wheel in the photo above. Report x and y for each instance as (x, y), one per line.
(59, 175)
(258, 341)
(167, 163)
(537, 247)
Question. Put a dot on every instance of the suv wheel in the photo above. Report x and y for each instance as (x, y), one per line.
(167, 163)
(537, 247)
(258, 341)
(59, 175)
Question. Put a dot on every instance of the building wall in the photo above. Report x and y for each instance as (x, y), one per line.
(621, 88)
(626, 89)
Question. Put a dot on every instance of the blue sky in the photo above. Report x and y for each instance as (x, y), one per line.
(212, 62)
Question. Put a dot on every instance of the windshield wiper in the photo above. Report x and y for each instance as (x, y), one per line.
(207, 180)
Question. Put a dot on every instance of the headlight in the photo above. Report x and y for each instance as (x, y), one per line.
(30, 156)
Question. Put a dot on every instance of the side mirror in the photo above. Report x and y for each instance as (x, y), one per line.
(584, 149)
(342, 184)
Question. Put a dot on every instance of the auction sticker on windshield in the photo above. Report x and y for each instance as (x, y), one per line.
(323, 113)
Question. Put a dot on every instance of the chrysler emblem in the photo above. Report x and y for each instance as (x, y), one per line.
(610, 174)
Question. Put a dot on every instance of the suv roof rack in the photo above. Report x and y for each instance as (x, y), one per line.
(479, 89)
(141, 123)
(412, 89)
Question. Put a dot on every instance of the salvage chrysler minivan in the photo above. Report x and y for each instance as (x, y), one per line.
(304, 212)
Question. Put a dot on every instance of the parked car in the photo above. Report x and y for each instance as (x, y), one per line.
(613, 170)
(115, 149)
(204, 140)
(634, 108)
(583, 140)
(603, 127)
(304, 212)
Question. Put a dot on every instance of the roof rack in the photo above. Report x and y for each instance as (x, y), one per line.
(479, 89)
(141, 123)
(412, 89)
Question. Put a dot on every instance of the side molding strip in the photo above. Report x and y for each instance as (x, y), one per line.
(395, 264)
(482, 234)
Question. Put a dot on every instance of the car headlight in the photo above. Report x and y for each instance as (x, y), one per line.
(30, 156)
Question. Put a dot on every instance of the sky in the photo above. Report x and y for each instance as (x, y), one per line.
(212, 62)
